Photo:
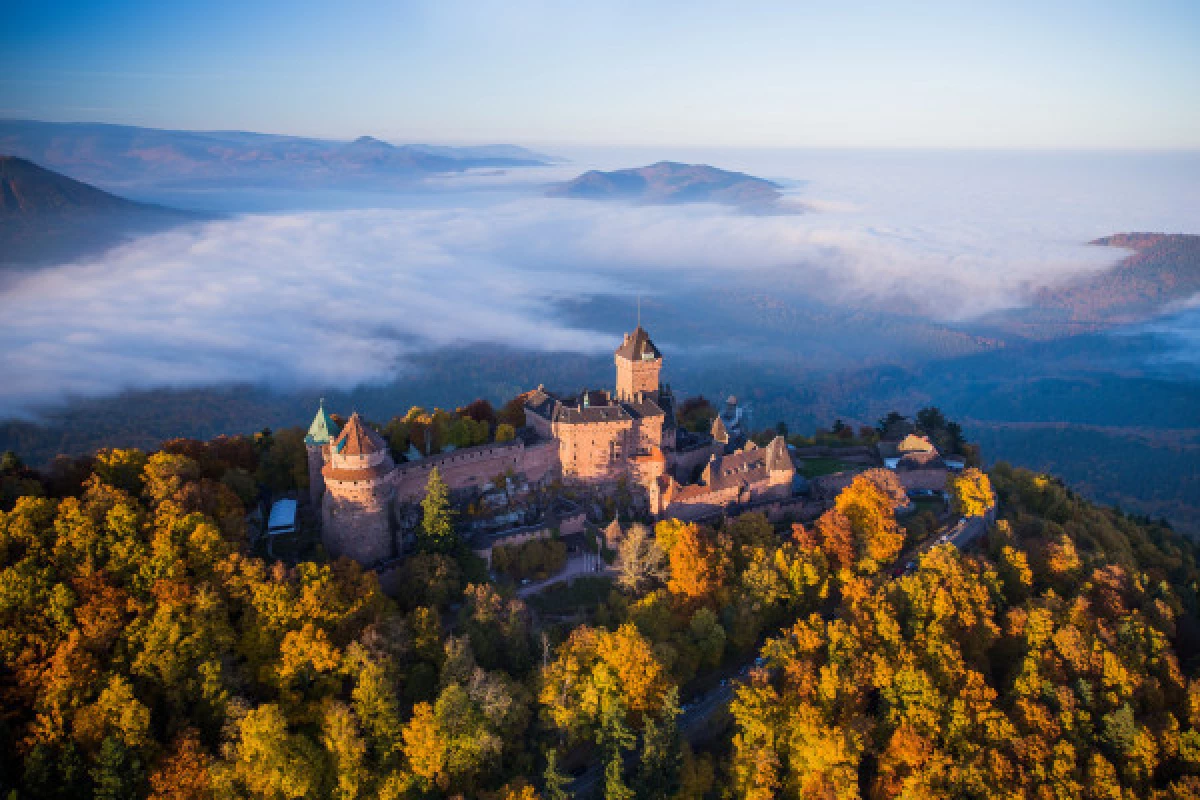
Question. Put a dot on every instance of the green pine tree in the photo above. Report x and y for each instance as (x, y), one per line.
(117, 772)
(437, 518)
(615, 735)
(555, 782)
(662, 754)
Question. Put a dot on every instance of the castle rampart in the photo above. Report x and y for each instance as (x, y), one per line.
(596, 439)
(473, 467)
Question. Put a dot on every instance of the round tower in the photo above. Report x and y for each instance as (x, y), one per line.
(358, 493)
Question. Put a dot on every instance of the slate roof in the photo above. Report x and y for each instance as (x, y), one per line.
(637, 346)
(719, 432)
(919, 460)
(575, 415)
(933, 479)
(323, 428)
(778, 457)
(666, 401)
(542, 403)
(357, 439)
(751, 465)
(642, 409)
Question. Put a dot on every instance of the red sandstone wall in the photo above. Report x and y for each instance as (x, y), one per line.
(636, 376)
(541, 461)
(648, 432)
(684, 464)
(584, 450)
(355, 524)
(472, 467)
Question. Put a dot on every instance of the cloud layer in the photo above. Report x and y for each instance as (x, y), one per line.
(342, 297)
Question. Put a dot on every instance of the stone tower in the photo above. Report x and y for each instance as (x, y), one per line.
(355, 518)
(322, 431)
(781, 470)
(638, 364)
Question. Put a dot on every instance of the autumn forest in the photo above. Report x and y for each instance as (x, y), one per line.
(148, 650)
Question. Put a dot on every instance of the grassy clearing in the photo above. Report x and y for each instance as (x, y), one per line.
(584, 593)
(816, 467)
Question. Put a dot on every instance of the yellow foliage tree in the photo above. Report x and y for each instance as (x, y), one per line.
(597, 670)
(870, 513)
(695, 568)
(271, 762)
(971, 493)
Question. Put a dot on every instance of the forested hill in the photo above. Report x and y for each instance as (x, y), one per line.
(29, 190)
(1163, 268)
(149, 649)
(1163, 271)
(46, 218)
(671, 182)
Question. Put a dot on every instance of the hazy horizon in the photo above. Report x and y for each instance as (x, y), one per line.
(297, 295)
(1027, 75)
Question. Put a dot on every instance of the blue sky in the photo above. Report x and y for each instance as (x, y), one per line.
(962, 74)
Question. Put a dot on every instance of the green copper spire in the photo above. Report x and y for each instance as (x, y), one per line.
(323, 428)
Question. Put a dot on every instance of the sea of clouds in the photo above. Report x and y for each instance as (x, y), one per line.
(299, 298)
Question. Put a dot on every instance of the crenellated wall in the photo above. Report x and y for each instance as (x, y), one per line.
(472, 467)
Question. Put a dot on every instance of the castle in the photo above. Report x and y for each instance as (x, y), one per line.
(598, 439)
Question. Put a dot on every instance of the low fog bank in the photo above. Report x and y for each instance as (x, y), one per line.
(338, 298)
(1179, 334)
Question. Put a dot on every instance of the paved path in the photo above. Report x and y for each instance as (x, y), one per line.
(584, 564)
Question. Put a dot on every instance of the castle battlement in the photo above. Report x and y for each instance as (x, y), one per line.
(595, 439)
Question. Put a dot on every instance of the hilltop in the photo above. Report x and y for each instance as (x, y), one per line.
(1162, 270)
(46, 217)
(123, 155)
(27, 189)
(671, 182)
(179, 644)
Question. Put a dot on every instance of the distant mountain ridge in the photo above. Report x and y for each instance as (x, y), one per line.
(669, 182)
(1164, 269)
(48, 218)
(128, 156)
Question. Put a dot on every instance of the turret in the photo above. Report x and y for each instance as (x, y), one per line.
(638, 365)
(719, 434)
(780, 467)
(355, 518)
(321, 432)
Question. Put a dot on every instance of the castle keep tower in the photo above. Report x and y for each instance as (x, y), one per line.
(320, 434)
(355, 511)
(638, 364)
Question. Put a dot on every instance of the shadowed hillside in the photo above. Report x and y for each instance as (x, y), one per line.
(28, 190)
(1163, 269)
(47, 218)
